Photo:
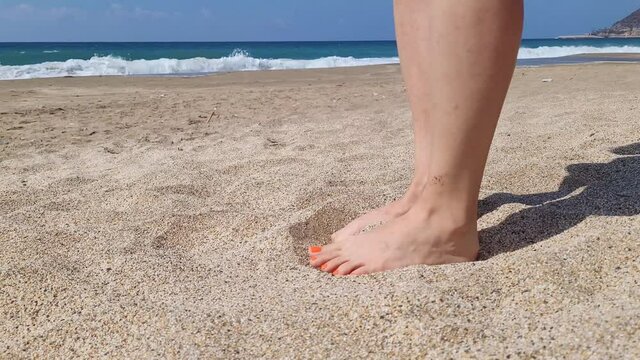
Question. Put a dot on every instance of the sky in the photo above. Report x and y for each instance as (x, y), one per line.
(261, 20)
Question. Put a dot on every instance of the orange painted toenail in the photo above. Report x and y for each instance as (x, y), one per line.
(323, 267)
(314, 258)
(315, 249)
(335, 272)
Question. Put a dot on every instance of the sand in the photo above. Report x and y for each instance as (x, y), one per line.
(169, 217)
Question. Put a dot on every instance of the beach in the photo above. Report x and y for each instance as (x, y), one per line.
(147, 217)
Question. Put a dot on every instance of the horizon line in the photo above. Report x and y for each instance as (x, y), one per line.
(232, 41)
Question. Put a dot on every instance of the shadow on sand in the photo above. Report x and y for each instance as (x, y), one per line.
(600, 189)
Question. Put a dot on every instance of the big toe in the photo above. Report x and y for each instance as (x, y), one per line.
(318, 256)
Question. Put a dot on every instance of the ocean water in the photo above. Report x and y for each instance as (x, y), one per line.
(39, 60)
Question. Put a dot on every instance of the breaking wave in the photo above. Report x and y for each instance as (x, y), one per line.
(237, 61)
(240, 61)
(560, 51)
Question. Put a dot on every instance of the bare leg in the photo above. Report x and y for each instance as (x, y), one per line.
(458, 58)
(421, 158)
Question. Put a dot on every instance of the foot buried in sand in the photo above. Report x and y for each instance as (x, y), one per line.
(421, 236)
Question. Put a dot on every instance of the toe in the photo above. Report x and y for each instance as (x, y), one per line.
(326, 254)
(347, 268)
(333, 264)
(314, 250)
(359, 271)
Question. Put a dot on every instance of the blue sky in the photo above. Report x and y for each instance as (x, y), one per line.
(260, 20)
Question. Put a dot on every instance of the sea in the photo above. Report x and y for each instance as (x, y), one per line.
(45, 60)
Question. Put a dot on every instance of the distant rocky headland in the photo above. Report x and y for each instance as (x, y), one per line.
(628, 27)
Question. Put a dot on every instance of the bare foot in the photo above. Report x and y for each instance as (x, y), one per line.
(374, 217)
(379, 216)
(418, 237)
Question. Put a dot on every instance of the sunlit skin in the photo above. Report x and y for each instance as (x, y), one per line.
(457, 59)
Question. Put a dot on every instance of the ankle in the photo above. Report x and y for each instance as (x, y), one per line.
(450, 213)
(415, 189)
(453, 235)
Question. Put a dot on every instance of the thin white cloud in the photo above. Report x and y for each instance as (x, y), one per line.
(18, 11)
(24, 8)
(119, 10)
(66, 12)
(29, 12)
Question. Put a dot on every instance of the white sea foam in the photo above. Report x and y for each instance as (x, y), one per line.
(559, 51)
(50, 51)
(238, 61)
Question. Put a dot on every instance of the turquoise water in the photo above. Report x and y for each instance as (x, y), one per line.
(34, 53)
(32, 60)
